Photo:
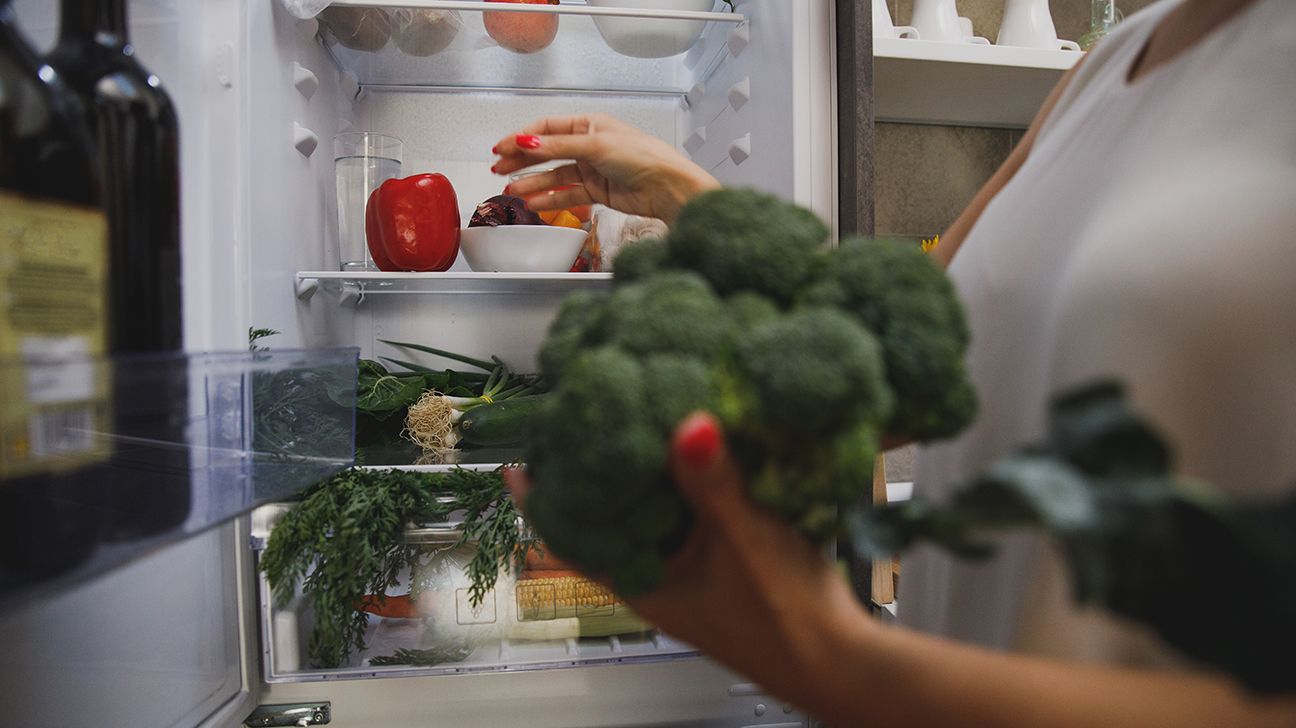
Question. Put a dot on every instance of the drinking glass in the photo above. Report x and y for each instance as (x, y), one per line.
(363, 161)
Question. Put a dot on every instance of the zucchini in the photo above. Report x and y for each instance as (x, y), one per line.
(499, 423)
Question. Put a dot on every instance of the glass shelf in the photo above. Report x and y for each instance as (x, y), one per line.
(579, 60)
(354, 287)
(103, 461)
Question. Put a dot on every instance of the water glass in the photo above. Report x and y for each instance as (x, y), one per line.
(363, 161)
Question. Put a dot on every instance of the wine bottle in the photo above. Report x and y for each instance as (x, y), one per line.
(53, 309)
(135, 128)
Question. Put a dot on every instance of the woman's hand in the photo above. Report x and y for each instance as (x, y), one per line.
(614, 164)
(746, 589)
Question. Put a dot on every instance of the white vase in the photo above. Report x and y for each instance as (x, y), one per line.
(1029, 24)
(939, 20)
(883, 27)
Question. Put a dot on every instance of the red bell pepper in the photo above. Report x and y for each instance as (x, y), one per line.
(412, 224)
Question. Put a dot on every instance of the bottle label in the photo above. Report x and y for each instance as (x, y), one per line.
(55, 384)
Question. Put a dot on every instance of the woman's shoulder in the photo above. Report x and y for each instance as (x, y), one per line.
(1107, 63)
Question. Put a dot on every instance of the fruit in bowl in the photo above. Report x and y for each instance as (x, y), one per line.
(521, 248)
(522, 32)
(651, 37)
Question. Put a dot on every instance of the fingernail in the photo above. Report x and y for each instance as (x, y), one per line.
(508, 189)
(698, 441)
(494, 169)
(528, 141)
(495, 149)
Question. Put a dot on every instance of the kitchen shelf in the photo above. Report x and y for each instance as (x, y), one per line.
(354, 287)
(929, 82)
(578, 61)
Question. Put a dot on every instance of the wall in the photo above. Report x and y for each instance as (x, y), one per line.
(925, 175)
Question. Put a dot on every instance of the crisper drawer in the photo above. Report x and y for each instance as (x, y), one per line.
(537, 619)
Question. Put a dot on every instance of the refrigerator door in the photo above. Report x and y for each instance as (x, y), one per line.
(169, 640)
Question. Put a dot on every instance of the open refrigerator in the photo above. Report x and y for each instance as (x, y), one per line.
(188, 634)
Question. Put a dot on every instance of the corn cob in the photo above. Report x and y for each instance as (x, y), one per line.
(570, 607)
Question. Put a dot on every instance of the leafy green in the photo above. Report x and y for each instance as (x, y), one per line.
(423, 658)
(1140, 541)
(343, 542)
(380, 394)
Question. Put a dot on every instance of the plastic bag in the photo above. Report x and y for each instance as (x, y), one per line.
(305, 9)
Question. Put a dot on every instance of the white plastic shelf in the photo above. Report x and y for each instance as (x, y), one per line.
(962, 84)
(354, 287)
(578, 60)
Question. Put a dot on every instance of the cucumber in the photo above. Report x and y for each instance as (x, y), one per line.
(500, 423)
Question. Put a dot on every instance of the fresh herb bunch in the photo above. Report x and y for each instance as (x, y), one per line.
(343, 542)
(302, 412)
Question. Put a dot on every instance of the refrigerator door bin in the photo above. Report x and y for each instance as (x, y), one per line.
(107, 459)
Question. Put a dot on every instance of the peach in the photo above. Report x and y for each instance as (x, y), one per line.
(522, 32)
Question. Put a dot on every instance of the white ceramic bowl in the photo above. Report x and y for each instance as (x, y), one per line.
(521, 248)
(651, 37)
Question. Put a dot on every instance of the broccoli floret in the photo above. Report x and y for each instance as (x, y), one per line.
(578, 325)
(597, 452)
(640, 259)
(675, 312)
(896, 291)
(813, 372)
(751, 309)
(814, 487)
(743, 240)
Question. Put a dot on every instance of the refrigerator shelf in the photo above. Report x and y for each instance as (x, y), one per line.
(578, 61)
(354, 287)
(928, 82)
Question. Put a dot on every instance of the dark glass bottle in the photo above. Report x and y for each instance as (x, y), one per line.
(137, 134)
(53, 306)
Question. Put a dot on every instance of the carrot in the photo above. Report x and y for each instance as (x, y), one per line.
(393, 607)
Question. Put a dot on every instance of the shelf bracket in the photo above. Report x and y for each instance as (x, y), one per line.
(352, 294)
(306, 288)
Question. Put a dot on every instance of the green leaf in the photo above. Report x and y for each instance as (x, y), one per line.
(480, 364)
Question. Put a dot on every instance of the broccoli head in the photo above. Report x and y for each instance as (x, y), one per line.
(895, 291)
(744, 240)
(806, 356)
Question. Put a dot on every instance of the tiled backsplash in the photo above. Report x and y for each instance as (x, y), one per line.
(925, 175)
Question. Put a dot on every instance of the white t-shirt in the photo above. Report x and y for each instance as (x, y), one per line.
(1150, 236)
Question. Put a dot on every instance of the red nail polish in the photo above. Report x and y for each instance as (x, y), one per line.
(493, 169)
(495, 150)
(508, 189)
(528, 141)
(698, 441)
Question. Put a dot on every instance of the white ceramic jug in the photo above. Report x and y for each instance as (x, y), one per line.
(939, 20)
(1028, 24)
(884, 28)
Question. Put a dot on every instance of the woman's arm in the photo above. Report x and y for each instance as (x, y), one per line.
(750, 592)
(952, 239)
(611, 163)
